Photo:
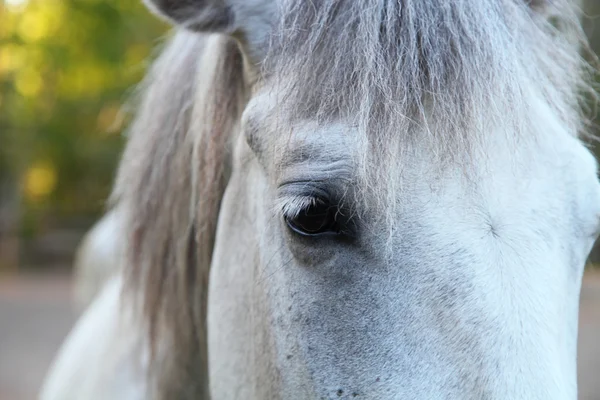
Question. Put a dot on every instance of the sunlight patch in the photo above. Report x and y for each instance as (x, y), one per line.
(40, 181)
(16, 5)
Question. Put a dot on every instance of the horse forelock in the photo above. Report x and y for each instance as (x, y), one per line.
(393, 66)
(440, 75)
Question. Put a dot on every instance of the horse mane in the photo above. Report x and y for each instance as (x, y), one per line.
(436, 76)
(465, 65)
(170, 183)
(447, 70)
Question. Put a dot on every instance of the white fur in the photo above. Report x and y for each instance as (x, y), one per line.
(479, 299)
(103, 357)
(98, 257)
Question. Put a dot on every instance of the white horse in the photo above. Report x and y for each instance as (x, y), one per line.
(98, 257)
(375, 199)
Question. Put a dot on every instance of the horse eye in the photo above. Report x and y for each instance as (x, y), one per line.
(315, 219)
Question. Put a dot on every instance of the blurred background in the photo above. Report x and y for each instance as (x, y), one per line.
(67, 70)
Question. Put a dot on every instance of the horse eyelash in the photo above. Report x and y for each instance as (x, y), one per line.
(292, 206)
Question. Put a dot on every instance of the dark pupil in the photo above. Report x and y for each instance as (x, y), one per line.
(317, 218)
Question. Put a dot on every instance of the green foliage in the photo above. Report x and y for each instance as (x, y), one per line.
(67, 67)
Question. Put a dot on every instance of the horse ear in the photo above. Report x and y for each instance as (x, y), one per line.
(249, 21)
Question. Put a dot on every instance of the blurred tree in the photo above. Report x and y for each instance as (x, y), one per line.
(66, 69)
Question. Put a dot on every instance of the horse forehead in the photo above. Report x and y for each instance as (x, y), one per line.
(502, 164)
(284, 142)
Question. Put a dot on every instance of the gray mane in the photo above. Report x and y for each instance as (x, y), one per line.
(437, 75)
(393, 65)
(449, 68)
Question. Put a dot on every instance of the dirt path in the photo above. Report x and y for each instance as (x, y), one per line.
(36, 314)
(589, 338)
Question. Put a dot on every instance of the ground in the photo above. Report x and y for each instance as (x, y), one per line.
(589, 338)
(36, 313)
